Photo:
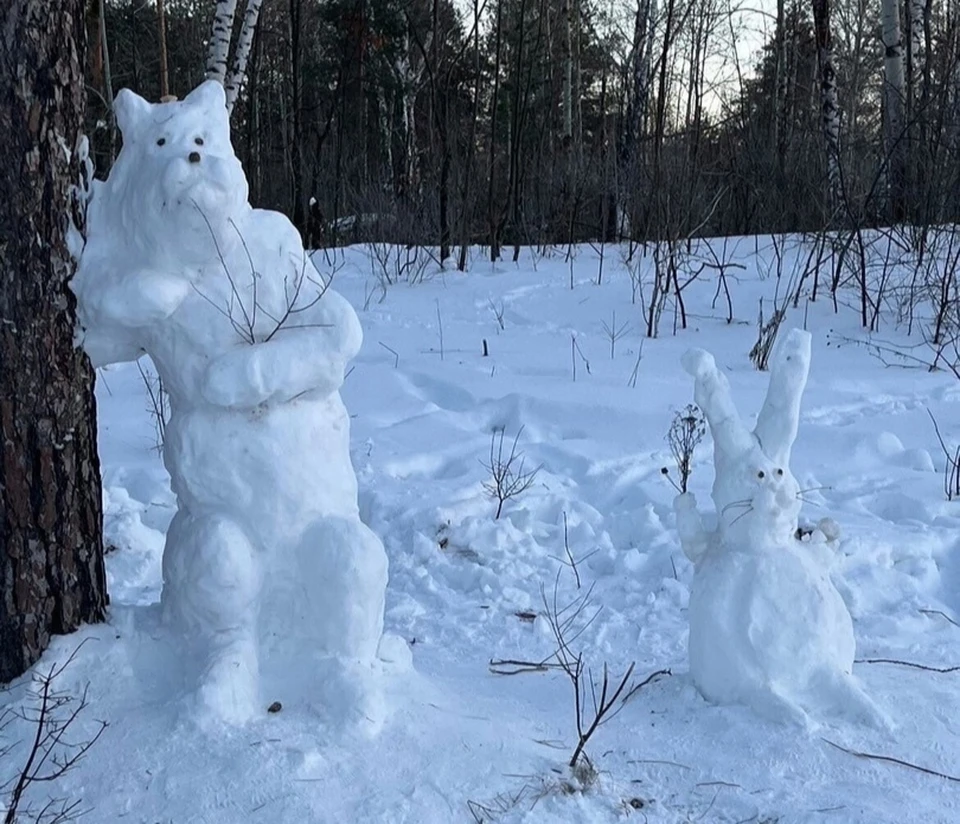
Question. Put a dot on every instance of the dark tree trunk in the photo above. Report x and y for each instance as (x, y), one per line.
(51, 548)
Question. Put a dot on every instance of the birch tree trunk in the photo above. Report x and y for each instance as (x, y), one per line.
(409, 69)
(162, 34)
(220, 36)
(829, 110)
(241, 57)
(51, 547)
(893, 98)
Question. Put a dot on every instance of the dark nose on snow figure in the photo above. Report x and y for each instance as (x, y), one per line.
(194, 157)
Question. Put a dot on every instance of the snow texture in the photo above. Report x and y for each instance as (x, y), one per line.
(460, 580)
(266, 557)
(768, 628)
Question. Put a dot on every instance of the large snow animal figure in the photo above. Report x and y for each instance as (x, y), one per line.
(767, 626)
(266, 563)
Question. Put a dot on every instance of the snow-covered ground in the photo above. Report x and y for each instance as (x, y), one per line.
(466, 588)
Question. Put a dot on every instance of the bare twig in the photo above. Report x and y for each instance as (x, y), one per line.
(951, 470)
(614, 333)
(941, 613)
(911, 664)
(53, 752)
(576, 351)
(561, 620)
(159, 408)
(396, 356)
(508, 477)
(635, 374)
(497, 309)
(891, 760)
(686, 432)
(440, 327)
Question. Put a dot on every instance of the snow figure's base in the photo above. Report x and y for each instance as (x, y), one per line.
(266, 562)
(767, 626)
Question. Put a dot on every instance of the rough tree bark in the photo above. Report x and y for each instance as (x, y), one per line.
(51, 550)
(220, 37)
(829, 110)
(635, 122)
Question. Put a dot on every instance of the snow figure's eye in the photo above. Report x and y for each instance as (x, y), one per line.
(161, 141)
(198, 141)
(780, 472)
(761, 474)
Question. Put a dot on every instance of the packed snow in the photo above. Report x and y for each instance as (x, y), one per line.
(266, 559)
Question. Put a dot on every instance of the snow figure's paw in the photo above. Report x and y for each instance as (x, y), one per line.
(698, 363)
(684, 503)
(143, 298)
(840, 695)
(350, 696)
(274, 371)
(228, 689)
(394, 652)
(829, 529)
(693, 539)
(237, 379)
(772, 704)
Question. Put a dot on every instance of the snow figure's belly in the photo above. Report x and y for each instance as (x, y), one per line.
(765, 619)
(275, 469)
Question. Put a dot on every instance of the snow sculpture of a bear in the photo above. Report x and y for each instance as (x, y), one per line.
(267, 562)
(767, 626)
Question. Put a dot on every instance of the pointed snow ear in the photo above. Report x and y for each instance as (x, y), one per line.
(209, 95)
(779, 418)
(131, 110)
(712, 394)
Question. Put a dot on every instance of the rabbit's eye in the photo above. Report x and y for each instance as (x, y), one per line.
(761, 474)
(161, 141)
(198, 141)
(780, 472)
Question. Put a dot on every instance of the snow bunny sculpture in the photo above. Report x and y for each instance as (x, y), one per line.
(767, 626)
(266, 561)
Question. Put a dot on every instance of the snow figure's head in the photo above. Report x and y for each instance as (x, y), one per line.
(177, 183)
(756, 495)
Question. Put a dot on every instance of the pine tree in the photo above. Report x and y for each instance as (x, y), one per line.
(51, 551)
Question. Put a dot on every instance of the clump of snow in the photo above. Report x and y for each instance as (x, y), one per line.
(267, 557)
(768, 628)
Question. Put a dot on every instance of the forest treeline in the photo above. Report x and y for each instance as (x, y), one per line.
(516, 122)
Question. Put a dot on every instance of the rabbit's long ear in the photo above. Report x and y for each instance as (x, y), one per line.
(779, 418)
(712, 394)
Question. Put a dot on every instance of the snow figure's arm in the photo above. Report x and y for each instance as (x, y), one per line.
(712, 395)
(779, 418)
(299, 358)
(138, 299)
(693, 537)
(105, 346)
(103, 339)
